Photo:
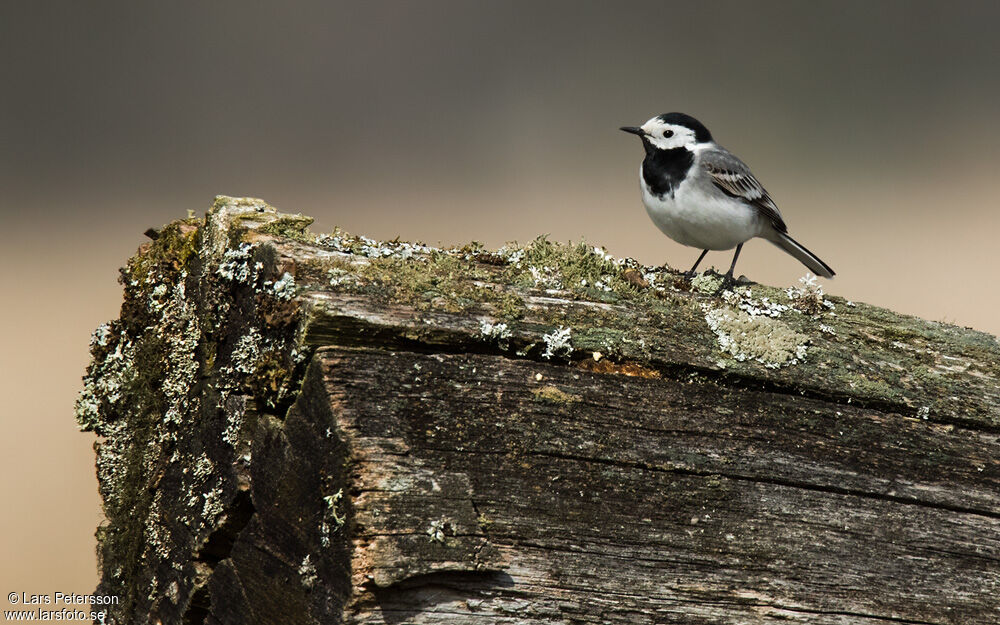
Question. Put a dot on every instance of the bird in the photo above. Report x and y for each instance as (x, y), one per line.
(701, 195)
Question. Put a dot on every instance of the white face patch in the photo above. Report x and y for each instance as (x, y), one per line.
(668, 136)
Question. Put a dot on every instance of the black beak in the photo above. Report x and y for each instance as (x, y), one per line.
(633, 130)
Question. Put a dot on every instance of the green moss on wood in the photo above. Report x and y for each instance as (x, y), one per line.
(291, 226)
(553, 395)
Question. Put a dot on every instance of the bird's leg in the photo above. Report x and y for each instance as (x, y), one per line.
(690, 274)
(728, 280)
(729, 274)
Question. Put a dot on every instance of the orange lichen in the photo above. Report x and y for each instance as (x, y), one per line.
(621, 368)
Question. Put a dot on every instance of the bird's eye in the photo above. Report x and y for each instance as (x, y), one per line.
(667, 134)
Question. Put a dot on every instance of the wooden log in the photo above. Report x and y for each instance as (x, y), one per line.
(327, 429)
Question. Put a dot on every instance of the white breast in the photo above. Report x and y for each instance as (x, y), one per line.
(701, 217)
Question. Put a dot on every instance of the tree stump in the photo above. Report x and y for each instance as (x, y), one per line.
(301, 428)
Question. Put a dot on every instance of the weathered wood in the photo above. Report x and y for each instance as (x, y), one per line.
(327, 429)
(663, 500)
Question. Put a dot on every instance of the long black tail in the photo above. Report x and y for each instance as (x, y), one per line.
(806, 257)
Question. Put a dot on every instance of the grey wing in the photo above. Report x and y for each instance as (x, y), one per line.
(734, 178)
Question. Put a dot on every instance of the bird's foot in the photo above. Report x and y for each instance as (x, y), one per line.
(728, 282)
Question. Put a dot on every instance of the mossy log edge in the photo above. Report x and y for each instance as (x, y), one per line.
(324, 428)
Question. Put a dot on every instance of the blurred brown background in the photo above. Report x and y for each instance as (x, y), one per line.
(875, 126)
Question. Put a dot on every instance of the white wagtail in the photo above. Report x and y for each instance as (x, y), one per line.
(699, 194)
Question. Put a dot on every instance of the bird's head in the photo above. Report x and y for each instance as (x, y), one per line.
(670, 131)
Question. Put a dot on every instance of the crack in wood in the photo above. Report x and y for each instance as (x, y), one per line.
(822, 488)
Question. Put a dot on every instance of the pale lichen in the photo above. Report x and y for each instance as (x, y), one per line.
(109, 376)
(284, 287)
(307, 573)
(235, 414)
(512, 254)
(545, 277)
(182, 332)
(339, 276)
(213, 505)
(100, 336)
(809, 298)
(438, 529)
(238, 265)
(158, 538)
(203, 467)
(370, 248)
(708, 283)
(557, 343)
(742, 297)
(332, 520)
(247, 351)
(762, 339)
(496, 332)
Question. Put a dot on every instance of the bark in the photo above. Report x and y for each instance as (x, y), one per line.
(300, 428)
